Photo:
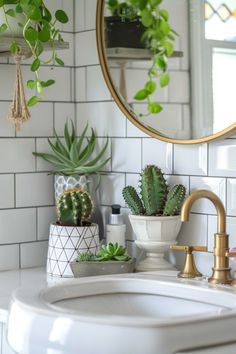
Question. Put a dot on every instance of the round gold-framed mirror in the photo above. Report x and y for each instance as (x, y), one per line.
(200, 125)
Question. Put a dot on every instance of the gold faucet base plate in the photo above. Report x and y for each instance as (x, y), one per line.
(221, 276)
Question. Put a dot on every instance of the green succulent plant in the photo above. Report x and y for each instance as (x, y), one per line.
(158, 37)
(86, 257)
(39, 26)
(75, 156)
(112, 252)
(155, 197)
(74, 207)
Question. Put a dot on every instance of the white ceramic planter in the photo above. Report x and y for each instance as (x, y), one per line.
(65, 242)
(155, 234)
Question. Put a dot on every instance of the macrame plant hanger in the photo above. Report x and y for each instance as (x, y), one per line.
(19, 112)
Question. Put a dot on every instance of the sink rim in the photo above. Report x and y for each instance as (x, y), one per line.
(37, 302)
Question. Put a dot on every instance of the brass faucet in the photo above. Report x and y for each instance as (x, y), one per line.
(221, 271)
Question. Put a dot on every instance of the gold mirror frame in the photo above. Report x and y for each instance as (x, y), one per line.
(118, 99)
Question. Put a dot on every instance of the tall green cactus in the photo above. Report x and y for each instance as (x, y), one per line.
(74, 206)
(154, 190)
(175, 200)
(155, 199)
(133, 201)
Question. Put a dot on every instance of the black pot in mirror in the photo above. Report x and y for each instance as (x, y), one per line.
(123, 33)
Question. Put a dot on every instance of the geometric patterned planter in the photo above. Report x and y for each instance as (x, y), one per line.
(65, 242)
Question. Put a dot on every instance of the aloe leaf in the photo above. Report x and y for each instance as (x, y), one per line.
(62, 147)
(74, 152)
(94, 161)
(83, 170)
(60, 156)
(49, 158)
(91, 141)
(68, 137)
(81, 139)
(87, 152)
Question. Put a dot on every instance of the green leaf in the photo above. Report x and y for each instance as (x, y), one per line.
(68, 136)
(165, 14)
(47, 83)
(35, 65)
(31, 34)
(155, 3)
(1, 3)
(169, 48)
(18, 9)
(11, 13)
(13, 47)
(47, 15)
(81, 139)
(150, 86)
(99, 156)
(39, 87)
(164, 27)
(59, 61)
(164, 79)
(44, 35)
(61, 16)
(34, 14)
(161, 62)
(31, 84)
(32, 101)
(142, 4)
(154, 108)
(39, 48)
(3, 28)
(141, 95)
(146, 17)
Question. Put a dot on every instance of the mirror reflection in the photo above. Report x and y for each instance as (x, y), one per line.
(203, 62)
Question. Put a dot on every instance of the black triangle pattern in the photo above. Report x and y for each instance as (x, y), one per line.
(64, 245)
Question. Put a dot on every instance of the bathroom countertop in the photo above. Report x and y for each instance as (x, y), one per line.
(11, 280)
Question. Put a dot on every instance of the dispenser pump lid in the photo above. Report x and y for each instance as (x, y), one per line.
(115, 209)
(115, 218)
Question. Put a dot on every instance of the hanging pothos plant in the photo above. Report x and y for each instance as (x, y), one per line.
(38, 27)
(158, 37)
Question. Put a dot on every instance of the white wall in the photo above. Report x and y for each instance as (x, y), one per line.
(26, 189)
(209, 166)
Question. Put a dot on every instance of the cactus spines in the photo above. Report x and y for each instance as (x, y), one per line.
(133, 201)
(154, 190)
(74, 206)
(175, 200)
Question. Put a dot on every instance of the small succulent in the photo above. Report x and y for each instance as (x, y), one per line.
(112, 252)
(74, 207)
(86, 257)
(74, 157)
(155, 197)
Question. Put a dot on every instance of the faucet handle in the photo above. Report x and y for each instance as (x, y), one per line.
(190, 270)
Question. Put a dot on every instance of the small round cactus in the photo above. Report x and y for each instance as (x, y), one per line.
(74, 207)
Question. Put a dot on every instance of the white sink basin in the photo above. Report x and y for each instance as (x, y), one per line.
(143, 313)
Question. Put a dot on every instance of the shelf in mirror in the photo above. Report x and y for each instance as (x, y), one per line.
(134, 54)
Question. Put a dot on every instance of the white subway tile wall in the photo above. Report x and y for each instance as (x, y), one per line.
(207, 166)
(26, 188)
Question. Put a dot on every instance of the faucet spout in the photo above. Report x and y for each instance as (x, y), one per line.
(221, 271)
(221, 215)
